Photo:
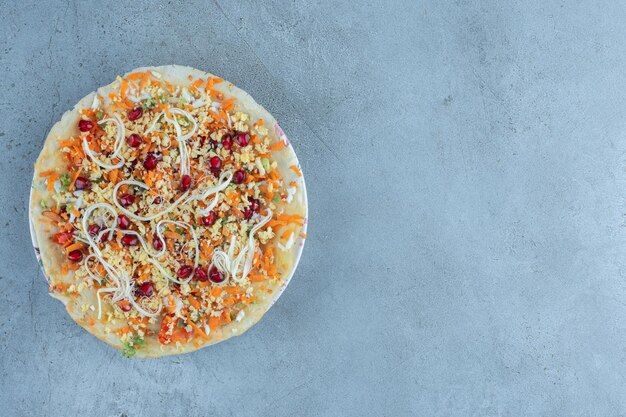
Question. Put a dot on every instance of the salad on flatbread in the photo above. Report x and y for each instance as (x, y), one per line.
(169, 211)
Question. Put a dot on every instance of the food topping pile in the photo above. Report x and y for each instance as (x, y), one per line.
(171, 209)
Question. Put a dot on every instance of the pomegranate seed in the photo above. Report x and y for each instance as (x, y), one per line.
(125, 307)
(157, 200)
(134, 140)
(94, 229)
(239, 176)
(157, 244)
(123, 221)
(130, 240)
(227, 142)
(185, 182)
(75, 256)
(254, 204)
(209, 220)
(145, 290)
(215, 275)
(82, 183)
(135, 113)
(150, 162)
(85, 125)
(184, 271)
(247, 213)
(243, 139)
(126, 199)
(201, 274)
(215, 163)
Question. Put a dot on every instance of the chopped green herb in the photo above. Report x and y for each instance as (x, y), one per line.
(65, 182)
(182, 101)
(183, 121)
(131, 347)
(179, 230)
(266, 164)
(276, 199)
(163, 98)
(44, 204)
(149, 103)
(99, 115)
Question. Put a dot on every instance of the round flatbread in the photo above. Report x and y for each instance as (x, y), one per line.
(168, 211)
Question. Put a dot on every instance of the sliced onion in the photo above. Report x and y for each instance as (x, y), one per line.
(145, 187)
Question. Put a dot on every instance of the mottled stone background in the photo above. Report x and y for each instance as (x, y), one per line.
(465, 162)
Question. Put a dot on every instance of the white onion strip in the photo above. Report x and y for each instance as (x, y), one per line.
(145, 187)
(232, 268)
(117, 145)
(196, 249)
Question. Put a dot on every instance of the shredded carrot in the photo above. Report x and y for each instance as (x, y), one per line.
(256, 278)
(196, 84)
(197, 329)
(296, 170)
(211, 81)
(144, 80)
(213, 322)
(228, 104)
(277, 146)
(123, 88)
(136, 76)
(173, 235)
(194, 302)
(216, 95)
(53, 216)
(75, 246)
(113, 174)
(74, 177)
(215, 291)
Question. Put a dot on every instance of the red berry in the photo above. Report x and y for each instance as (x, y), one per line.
(150, 162)
(145, 290)
(215, 275)
(135, 113)
(185, 182)
(134, 140)
(126, 199)
(75, 256)
(157, 244)
(85, 125)
(157, 200)
(243, 139)
(209, 220)
(247, 213)
(215, 163)
(239, 177)
(201, 274)
(130, 240)
(123, 221)
(254, 204)
(184, 271)
(82, 183)
(94, 229)
(227, 142)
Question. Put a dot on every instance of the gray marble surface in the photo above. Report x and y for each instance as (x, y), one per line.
(465, 163)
